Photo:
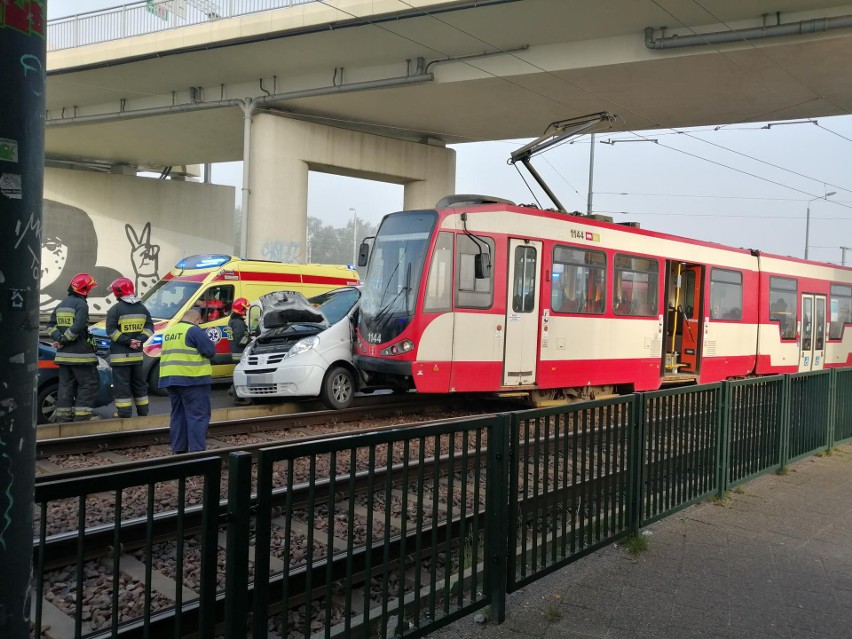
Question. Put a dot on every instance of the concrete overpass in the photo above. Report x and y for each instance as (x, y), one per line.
(376, 88)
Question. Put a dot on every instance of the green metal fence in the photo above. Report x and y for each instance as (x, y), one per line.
(568, 484)
(754, 428)
(842, 405)
(118, 544)
(396, 533)
(809, 414)
(387, 576)
(680, 439)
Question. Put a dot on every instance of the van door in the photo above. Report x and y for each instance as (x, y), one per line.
(522, 312)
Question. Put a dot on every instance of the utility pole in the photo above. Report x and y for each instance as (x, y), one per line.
(354, 236)
(843, 250)
(591, 175)
(22, 41)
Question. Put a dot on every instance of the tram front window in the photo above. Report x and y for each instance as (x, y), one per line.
(389, 290)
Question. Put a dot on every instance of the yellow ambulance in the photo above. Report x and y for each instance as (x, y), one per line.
(211, 283)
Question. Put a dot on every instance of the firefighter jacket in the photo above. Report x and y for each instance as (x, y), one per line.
(185, 358)
(238, 335)
(126, 321)
(69, 324)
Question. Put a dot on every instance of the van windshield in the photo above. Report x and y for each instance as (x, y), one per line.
(168, 297)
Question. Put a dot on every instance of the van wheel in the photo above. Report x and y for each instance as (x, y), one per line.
(154, 382)
(338, 388)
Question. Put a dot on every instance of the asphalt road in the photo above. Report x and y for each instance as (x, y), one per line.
(160, 405)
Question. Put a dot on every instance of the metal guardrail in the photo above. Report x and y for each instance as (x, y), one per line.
(149, 16)
(396, 533)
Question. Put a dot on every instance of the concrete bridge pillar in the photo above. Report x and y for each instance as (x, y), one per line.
(283, 150)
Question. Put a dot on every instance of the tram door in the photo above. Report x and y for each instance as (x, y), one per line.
(522, 311)
(689, 310)
(812, 333)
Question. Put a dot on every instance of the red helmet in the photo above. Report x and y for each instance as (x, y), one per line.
(83, 283)
(121, 287)
(240, 306)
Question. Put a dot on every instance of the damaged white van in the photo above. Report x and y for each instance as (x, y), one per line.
(303, 348)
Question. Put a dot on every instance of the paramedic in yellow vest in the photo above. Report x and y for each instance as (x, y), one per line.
(186, 372)
(129, 325)
(78, 364)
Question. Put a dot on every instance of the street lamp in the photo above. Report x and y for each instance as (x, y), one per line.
(808, 219)
(354, 236)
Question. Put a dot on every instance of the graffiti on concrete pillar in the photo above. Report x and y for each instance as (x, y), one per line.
(69, 245)
(144, 256)
(280, 251)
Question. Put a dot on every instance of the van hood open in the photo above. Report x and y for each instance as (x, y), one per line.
(288, 314)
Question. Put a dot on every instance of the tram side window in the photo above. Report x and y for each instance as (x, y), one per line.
(636, 286)
(782, 305)
(439, 286)
(578, 281)
(523, 284)
(726, 294)
(841, 310)
(472, 292)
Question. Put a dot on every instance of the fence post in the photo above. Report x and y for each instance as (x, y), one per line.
(723, 450)
(496, 519)
(832, 407)
(237, 552)
(635, 475)
(784, 430)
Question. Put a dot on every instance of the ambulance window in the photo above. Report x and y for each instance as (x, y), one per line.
(470, 291)
(215, 303)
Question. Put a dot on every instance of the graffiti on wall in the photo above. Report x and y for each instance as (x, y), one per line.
(279, 251)
(69, 245)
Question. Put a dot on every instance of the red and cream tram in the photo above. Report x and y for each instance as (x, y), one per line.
(481, 295)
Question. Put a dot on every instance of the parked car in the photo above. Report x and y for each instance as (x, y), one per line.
(304, 348)
(48, 383)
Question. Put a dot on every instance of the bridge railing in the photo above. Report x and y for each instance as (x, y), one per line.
(149, 16)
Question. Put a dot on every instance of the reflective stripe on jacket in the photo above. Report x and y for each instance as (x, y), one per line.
(185, 358)
(126, 321)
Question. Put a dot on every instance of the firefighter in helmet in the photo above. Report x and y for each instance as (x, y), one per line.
(75, 355)
(238, 337)
(128, 325)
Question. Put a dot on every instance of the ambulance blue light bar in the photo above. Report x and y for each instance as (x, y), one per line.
(203, 261)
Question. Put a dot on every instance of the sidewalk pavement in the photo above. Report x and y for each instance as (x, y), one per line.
(773, 560)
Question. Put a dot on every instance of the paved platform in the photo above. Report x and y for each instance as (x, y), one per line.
(773, 560)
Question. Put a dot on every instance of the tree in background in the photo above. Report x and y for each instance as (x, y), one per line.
(329, 245)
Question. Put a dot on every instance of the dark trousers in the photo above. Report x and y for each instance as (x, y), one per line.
(78, 388)
(129, 386)
(190, 417)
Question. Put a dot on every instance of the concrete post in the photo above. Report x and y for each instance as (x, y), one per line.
(278, 182)
(282, 152)
(22, 31)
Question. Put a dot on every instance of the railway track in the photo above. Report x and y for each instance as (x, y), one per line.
(366, 523)
(220, 431)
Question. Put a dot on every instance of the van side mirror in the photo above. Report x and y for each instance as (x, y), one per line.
(363, 254)
(482, 266)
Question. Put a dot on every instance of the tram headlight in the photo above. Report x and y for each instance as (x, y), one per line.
(399, 348)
